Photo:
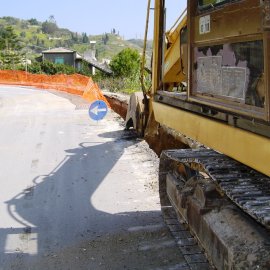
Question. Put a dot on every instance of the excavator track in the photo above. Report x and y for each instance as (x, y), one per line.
(247, 188)
(202, 181)
(194, 254)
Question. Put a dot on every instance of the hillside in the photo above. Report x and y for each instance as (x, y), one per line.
(37, 36)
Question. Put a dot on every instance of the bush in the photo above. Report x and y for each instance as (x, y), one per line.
(50, 68)
(118, 84)
(85, 69)
(35, 68)
(126, 63)
(126, 73)
(126, 69)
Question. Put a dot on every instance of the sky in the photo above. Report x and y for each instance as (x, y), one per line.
(92, 16)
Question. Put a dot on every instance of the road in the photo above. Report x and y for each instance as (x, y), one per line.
(76, 194)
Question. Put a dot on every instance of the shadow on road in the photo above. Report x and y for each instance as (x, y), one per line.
(56, 214)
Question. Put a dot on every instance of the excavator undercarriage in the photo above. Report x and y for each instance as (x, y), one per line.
(216, 197)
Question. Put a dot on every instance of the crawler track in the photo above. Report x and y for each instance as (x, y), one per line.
(188, 245)
(225, 205)
(247, 188)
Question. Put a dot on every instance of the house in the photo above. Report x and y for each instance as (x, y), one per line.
(72, 58)
(63, 56)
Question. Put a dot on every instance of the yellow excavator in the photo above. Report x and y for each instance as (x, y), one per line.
(210, 91)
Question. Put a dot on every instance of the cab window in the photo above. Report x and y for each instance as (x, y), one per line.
(207, 4)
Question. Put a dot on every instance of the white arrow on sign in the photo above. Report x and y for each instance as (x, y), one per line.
(96, 110)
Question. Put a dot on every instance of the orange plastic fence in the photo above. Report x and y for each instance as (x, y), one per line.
(74, 84)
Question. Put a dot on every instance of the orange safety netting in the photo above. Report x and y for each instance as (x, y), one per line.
(74, 84)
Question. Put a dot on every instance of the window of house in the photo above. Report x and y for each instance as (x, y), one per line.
(59, 60)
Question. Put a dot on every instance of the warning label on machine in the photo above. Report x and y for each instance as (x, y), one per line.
(234, 82)
(205, 25)
(215, 79)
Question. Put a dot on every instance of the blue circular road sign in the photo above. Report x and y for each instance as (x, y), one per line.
(98, 110)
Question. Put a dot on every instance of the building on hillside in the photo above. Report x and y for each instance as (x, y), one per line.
(93, 64)
(74, 59)
(63, 56)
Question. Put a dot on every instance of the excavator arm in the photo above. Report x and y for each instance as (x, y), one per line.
(175, 54)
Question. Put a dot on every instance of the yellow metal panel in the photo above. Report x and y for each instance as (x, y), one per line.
(246, 147)
(234, 20)
(172, 65)
(157, 53)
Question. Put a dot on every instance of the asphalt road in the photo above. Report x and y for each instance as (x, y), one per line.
(76, 194)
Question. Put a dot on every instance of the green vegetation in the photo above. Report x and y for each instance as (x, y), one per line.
(126, 73)
(126, 85)
(126, 63)
(10, 54)
(49, 28)
(37, 36)
(50, 68)
(26, 39)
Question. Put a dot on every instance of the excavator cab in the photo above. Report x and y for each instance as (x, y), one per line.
(226, 44)
(228, 56)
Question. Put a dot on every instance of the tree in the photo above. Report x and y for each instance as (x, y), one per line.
(85, 38)
(105, 39)
(11, 20)
(23, 34)
(74, 37)
(52, 19)
(9, 47)
(24, 25)
(49, 27)
(126, 63)
(33, 21)
(8, 39)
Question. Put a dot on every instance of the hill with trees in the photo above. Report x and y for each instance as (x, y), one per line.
(35, 36)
